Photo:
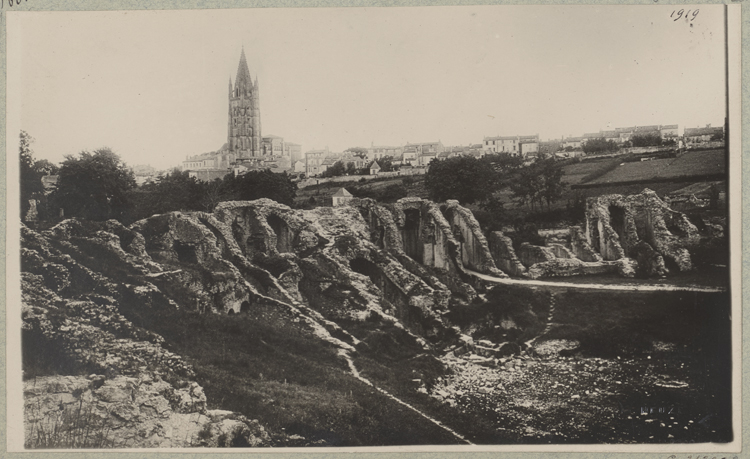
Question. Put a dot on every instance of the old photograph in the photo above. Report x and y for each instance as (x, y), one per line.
(461, 227)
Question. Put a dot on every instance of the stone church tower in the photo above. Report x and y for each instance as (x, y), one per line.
(244, 138)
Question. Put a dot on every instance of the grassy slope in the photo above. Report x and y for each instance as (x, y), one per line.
(267, 367)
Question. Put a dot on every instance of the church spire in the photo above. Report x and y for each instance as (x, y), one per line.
(243, 73)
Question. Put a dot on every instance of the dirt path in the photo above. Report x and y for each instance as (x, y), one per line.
(619, 287)
(356, 374)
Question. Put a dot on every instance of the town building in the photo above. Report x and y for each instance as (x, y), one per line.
(374, 168)
(572, 142)
(377, 152)
(703, 134)
(421, 153)
(209, 166)
(313, 161)
(515, 145)
(341, 197)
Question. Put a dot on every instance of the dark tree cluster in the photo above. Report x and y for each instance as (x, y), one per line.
(649, 140)
(99, 186)
(94, 186)
(599, 145)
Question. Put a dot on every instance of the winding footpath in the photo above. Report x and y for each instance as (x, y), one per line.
(616, 287)
(356, 374)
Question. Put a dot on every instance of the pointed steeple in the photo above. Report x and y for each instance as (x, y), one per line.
(230, 85)
(243, 73)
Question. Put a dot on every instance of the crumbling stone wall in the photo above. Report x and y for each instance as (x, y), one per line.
(475, 252)
(559, 250)
(580, 246)
(616, 225)
(533, 254)
(501, 248)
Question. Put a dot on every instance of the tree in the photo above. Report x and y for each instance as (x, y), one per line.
(260, 184)
(335, 170)
(504, 164)
(173, 191)
(94, 185)
(464, 178)
(718, 136)
(646, 140)
(599, 145)
(538, 182)
(552, 184)
(351, 169)
(30, 176)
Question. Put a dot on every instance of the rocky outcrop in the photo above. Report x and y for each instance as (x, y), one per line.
(616, 225)
(81, 280)
(123, 412)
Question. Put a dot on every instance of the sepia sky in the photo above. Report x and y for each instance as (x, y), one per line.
(152, 85)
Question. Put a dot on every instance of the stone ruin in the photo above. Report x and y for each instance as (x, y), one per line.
(623, 234)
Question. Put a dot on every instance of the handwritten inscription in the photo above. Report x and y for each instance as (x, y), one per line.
(688, 15)
(11, 3)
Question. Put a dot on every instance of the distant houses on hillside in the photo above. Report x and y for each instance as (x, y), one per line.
(703, 134)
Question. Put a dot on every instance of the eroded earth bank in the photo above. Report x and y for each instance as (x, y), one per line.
(260, 325)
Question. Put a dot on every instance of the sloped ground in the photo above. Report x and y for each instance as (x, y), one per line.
(139, 322)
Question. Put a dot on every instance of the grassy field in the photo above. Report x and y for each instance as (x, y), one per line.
(692, 163)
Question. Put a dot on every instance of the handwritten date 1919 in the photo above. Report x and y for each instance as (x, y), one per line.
(11, 3)
(679, 14)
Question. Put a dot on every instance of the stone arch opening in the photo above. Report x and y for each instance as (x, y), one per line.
(230, 312)
(391, 293)
(245, 307)
(185, 252)
(366, 267)
(410, 235)
(595, 237)
(617, 221)
(283, 234)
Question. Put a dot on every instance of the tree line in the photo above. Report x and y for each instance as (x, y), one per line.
(475, 180)
(97, 185)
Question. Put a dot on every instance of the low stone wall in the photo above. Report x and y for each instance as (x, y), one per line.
(565, 267)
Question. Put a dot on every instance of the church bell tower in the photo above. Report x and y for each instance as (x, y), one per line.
(243, 137)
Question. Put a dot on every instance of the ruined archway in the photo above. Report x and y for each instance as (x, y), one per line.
(245, 307)
(185, 252)
(617, 222)
(283, 234)
(410, 235)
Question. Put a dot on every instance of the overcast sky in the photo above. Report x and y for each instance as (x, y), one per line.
(152, 85)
